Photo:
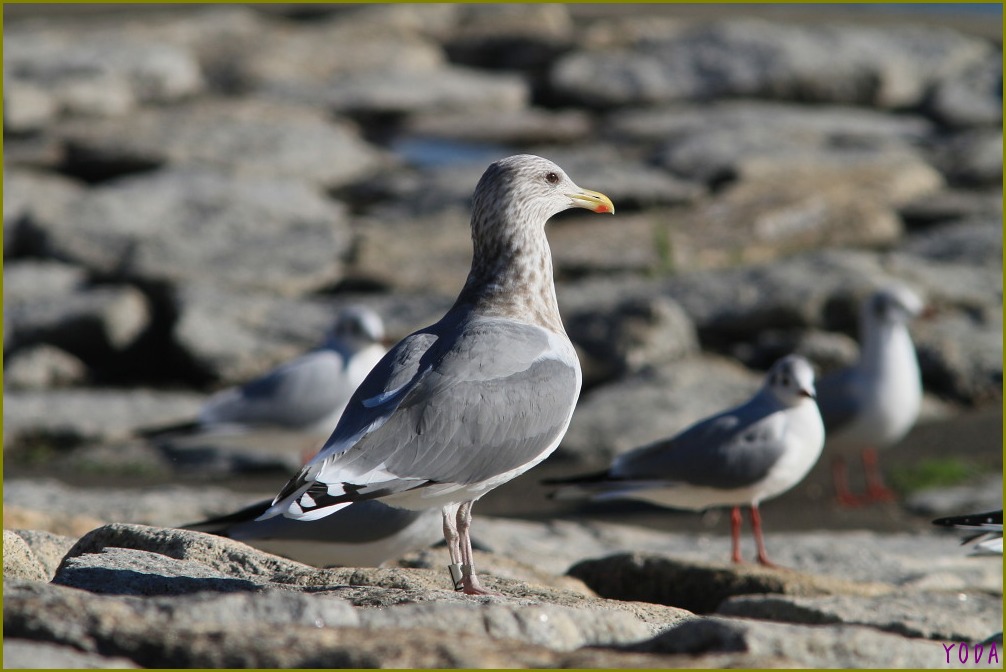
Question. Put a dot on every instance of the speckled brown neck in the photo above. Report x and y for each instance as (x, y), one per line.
(511, 274)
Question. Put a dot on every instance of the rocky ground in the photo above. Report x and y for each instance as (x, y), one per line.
(190, 194)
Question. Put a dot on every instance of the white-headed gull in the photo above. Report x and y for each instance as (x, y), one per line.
(873, 403)
(741, 456)
(476, 399)
(303, 396)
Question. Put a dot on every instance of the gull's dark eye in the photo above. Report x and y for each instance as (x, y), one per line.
(552, 178)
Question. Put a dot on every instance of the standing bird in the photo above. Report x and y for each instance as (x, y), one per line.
(873, 403)
(741, 456)
(476, 399)
(305, 395)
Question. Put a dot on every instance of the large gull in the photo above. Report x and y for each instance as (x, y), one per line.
(738, 457)
(873, 403)
(476, 399)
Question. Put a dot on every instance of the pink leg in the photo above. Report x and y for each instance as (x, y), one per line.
(759, 541)
(470, 582)
(876, 491)
(735, 533)
(840, 477)
(453, 540)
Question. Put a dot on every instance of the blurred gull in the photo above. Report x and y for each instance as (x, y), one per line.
(873, 403)
(741, 456)
(474, 400)
(365, 534)
(304, 396)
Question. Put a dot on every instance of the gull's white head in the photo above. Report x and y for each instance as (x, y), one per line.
(791, 380)
(894, 304)
(357, 326)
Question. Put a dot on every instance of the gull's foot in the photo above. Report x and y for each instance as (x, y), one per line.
(880, 493)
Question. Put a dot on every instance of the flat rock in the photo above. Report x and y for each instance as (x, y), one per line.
(951, 617)
(701, 588)
(971, 158)
(100, 74)
(32, 196)
(190, 225)
(445, 88)
(829, 63)
(971, 98)
(51, 304)
(961, 353)
(830, 645)
(513, 128)
(28, 107)
(624, 338)
(46, 547)
(76, 511)
(26, 654)
(73, 416)
(763, 122)
(19, 562)
(239, 137)
(41, 367)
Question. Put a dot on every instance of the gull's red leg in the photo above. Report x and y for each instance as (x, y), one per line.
(735, 533)
(840, 477)
(759, 541)
(876, 490)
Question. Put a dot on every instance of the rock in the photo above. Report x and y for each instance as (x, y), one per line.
(77, 415)
(443, 89)
(41, 367)
(510, 37)
(793, 204)
(932, 615)
(624, 338)
(27, 107)
(795, 292)
(951, 206)
(833, 646)
(760, 125)
(971, 98)
(190, 225)
(25, 654)
(299, 60)
(76, 511)
(506, 127)
(701, 588)
(960, 354)
(90, 322)
(985, 495)
(828, 63)
(35, 197)
(100, 75)
(59, 523)
(651, 405)
(46, 547)
(971, 158)
(122, 571)
(19, 562)
(242, 138)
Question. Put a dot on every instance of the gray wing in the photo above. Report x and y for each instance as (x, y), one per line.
(296, 394)
(361, 523)
(462, 402)
(838, 399)
(733, 449)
